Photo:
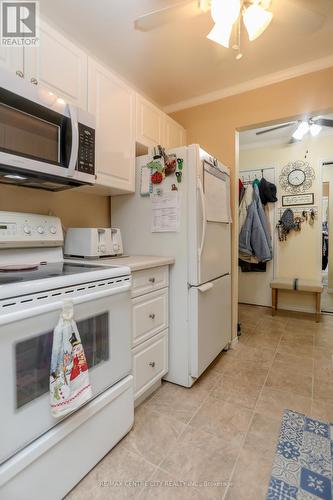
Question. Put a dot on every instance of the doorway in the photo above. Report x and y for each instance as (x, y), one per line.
(267, 151)
(327, 223)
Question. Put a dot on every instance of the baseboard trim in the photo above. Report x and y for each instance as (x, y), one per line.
(234, 342)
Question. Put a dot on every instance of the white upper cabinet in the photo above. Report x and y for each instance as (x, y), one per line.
(11, 59)
(58, 65)
(113, 104)
(174, 134)
(149, 123)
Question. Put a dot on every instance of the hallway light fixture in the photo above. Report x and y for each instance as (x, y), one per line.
(302, 129)
(315, 129)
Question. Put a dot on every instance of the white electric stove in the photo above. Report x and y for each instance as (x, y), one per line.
(35, 282)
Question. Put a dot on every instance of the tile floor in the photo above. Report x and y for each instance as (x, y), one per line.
(217, 439)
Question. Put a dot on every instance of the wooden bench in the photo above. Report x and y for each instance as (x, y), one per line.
(298, 285)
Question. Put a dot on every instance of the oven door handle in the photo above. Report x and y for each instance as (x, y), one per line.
(47, 308)
(75, 141)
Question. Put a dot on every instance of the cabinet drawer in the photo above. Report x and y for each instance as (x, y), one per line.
(149, 315)
(148, 280)
(150, 363)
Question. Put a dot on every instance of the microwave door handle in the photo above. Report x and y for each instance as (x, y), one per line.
(75, 141)
(204, 218)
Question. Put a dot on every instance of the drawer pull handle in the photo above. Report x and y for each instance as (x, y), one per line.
(34, 81)
(152, 316)
(151, 280)
(152, 364)
(20, 73)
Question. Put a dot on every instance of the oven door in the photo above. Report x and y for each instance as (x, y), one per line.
(25, 353)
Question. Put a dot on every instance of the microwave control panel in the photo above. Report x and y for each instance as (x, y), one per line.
(86, 156)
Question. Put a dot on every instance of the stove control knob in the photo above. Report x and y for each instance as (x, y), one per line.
(53, 230)
(102, 248)
(27, 229)
(40, 229)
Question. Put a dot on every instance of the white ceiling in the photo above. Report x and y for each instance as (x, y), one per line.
(176, 62)
(250, 139)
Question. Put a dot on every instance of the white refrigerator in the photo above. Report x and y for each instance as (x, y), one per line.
(200, 281)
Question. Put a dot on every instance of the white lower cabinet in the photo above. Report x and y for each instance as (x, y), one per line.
(150, 315)
(150, 363)
(150, 321)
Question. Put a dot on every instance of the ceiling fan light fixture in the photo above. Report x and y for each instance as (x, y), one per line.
(256, 20)
(302, 129)
(315, 129)
(221, 34)
(225, 11)
(224, 14)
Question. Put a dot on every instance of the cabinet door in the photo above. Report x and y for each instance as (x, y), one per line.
(174, 134)
(149, 123)
(11, 59)
(113, 104)
(58, 65)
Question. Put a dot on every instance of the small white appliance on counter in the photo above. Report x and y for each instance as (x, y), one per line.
(93, 242)
(44, 142)
(200, 279)
(35, 282)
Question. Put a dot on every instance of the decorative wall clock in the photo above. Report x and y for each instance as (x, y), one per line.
(297, 177)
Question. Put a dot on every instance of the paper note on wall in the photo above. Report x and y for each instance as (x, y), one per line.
(165, 212)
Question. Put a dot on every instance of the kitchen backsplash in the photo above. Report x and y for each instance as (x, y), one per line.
(76, 209)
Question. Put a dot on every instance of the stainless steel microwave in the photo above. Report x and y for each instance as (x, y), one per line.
(44, 142)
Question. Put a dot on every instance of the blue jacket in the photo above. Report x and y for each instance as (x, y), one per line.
(254, 237)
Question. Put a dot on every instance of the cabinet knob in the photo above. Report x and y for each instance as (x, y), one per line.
(20, 73)
(152, 316)
(34, 81)
(152, 280)
(152, 364)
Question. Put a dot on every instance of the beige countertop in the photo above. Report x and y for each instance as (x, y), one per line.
(134, 262)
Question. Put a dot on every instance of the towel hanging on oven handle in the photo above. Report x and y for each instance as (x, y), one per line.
(69, 377)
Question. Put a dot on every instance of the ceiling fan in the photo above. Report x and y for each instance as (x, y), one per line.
(256, 15)
(310, 125)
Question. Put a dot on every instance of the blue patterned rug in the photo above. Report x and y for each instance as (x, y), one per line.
(302, 467)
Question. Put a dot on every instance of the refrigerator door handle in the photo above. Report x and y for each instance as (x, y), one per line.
(205, 287)
(204, 218)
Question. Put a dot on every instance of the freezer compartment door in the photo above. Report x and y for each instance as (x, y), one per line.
(215, 257)
(210, 322)
(209, 225)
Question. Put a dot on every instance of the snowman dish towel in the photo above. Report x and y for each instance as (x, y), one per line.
(69, 377)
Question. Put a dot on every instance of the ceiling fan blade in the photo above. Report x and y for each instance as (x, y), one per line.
(157, 18)
(302, 16)
(275, 128)
(325, 122)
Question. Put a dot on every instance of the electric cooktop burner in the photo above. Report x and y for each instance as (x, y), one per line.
(24, 273)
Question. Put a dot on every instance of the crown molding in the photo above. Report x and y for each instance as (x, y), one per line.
(262, 81)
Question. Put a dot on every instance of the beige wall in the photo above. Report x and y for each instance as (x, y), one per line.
(300, 255)
(214, 125)
(75, 209)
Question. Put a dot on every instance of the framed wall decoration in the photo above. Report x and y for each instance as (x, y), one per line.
(295, 200)
(297, 177)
